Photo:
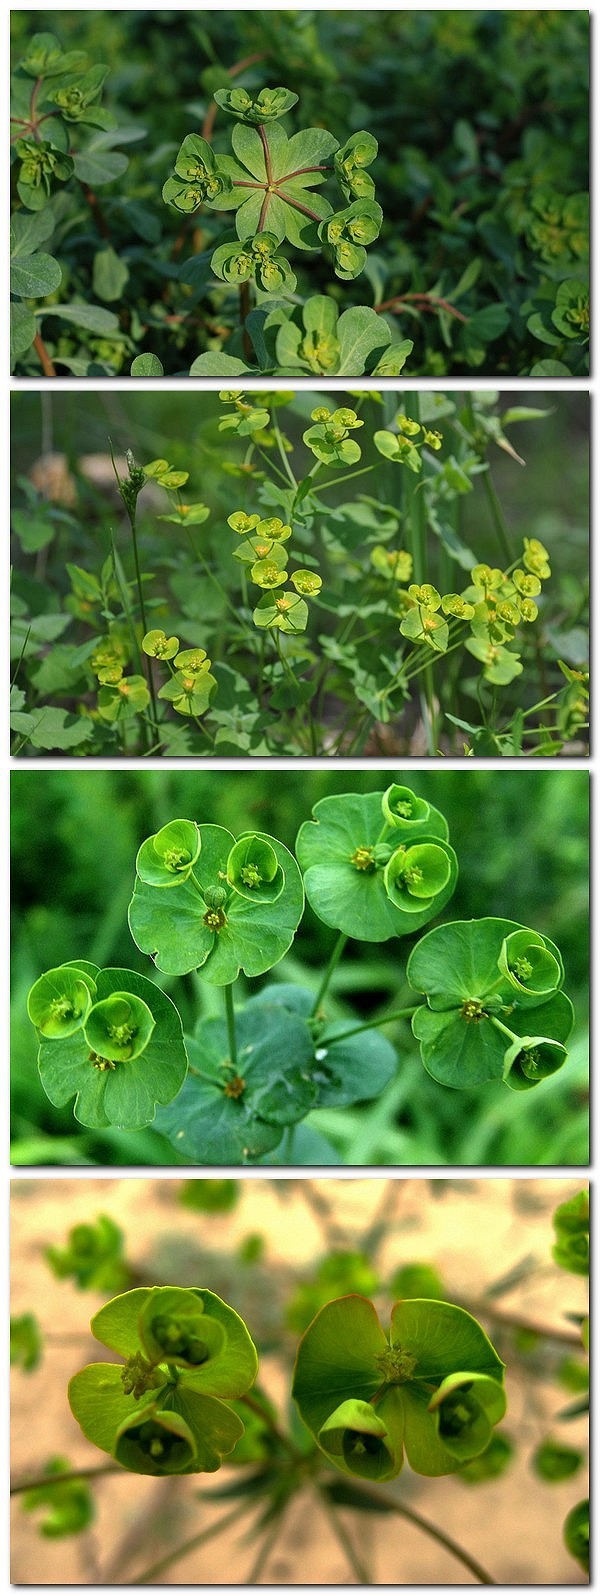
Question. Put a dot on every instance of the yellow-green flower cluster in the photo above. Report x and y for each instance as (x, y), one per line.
(494, 604)
(263, 551)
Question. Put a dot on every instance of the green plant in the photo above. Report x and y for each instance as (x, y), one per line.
(379, 864)
(428, 1389)
(481, 174)
(256, 637)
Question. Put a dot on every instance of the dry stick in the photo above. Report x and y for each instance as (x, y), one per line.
(64, 1478)
(46, 363)
(232, 72)
(426, 302)
(333, 1233)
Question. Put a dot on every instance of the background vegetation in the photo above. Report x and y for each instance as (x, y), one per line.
(522, 844)
(481, 117)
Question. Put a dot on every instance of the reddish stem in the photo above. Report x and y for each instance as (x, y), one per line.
(265, 144)
(240, 182)
(297, 206)
(96, 209)
(426, 302)
(299, 171)
(43, 356)
(263, 211)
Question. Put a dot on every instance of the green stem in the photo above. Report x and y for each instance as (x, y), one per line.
(364, 470)
(372, 1024)
(497, 517)
(284, 458)
(504, 1028)
(64, 1478)
(138, 578)
(330, 970)
(230, 1012)
(418, 543)
(151, 1574)
(269, 1421)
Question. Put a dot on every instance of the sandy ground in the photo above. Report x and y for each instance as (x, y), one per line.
(473, 1231)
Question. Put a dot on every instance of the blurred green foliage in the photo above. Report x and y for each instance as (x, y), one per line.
(522, 844)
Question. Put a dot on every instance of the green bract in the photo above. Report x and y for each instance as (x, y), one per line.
(253, 870)
(480, 1023)
(123, 1056)
(60, 1001)
(161, 1412)
(265, 107)
(187, 928)
(571, 1249)
(259, 260)
(357, 877)
(432, 1390)
(168, 858)
(349, 165)
(119, 1028)
(348, 231)
(197, 179)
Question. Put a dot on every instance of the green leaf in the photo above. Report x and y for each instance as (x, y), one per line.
(554, 1462)
(274, 1064)
(215, 364)
(127, 1094)
(91, 317)
(99, 166)
(69, 1506)
(119, 1325)
(344, 1357)
(34, 530)
(55, 729)
(34, 276)
(353, 1070)
(23, 328)
(576, 1534)
(254, 936)
(110, 274)
(26, 1342)
(344, 883)
(147, 365)
(360, 332)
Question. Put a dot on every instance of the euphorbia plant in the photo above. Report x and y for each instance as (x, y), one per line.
(269, 181)
(165, 1410)
(432, 1390)
(253, 630)
(374, 866)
